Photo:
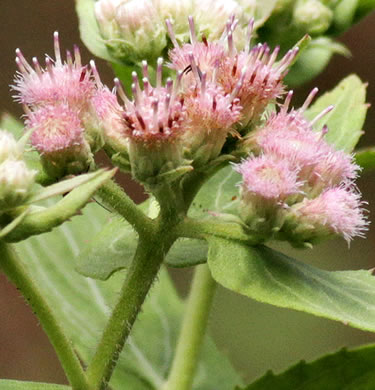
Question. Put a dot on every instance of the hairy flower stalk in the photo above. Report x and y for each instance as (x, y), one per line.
(325, 179)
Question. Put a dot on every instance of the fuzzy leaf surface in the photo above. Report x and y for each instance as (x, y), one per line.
(271, 277)
(20, 385)
(346, 119)
(344, 370)
(219, 195)
(83, 306)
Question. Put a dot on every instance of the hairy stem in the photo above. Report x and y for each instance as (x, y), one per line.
(139, 278)
(16, 273)
(193, 330)
(114, 196)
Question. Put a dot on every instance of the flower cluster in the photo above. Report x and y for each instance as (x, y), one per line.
(215, 103)
(16, 180)
(58, 109)
(296, 186)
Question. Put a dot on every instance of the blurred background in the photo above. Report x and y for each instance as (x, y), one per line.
(255, 337)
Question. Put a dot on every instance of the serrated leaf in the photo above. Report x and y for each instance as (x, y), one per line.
(46, 219)
(365, 158)
(343, 370)
(61, 187)
(346, 119)
(83, 305)
(89, 29)
(271, 277)
(20, 385)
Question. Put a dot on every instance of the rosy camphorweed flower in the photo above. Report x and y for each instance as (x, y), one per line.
(251, 75)
(211, 115)
(337, 211)
(154, 122)
(268, 184)
(59, 82)
(58, 135)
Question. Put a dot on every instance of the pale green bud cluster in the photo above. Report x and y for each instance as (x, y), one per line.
(135, 30)
(16, 179)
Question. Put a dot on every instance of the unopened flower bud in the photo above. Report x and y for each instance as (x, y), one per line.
(133, 29)
(9, 148)
(336, 212)
(213, 27)
(312, 17)
(16, 181)
(58, 137)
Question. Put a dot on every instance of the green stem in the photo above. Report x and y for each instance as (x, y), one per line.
(15, 271)
(139, 278)
(113, 195)
(193, 330)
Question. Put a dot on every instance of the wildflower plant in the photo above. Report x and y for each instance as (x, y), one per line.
(201, 115)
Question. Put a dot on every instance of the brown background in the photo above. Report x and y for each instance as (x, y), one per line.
(255, 336)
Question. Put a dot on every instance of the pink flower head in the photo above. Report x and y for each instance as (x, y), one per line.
(335, 168)
(156, 114)
(211, 116)
(109, 112)
(60, 82)
(251, 75)
(290, 136)
(206, 55)
(55, 128)
(337, 211)
(269, 178)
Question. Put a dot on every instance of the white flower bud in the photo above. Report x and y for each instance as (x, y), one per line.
(15, 183)
(9, 149)
(312, 16)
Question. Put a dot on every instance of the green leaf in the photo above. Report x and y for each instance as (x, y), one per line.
(218, 195)
(19, 385)
(187, 252)
(346, 119)
(313, 60)
(365, 158)
(343, 370)
(38, 222)
(113, 248)
(89, 30)
(13, 125)
(83, 305)
(271, 277)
